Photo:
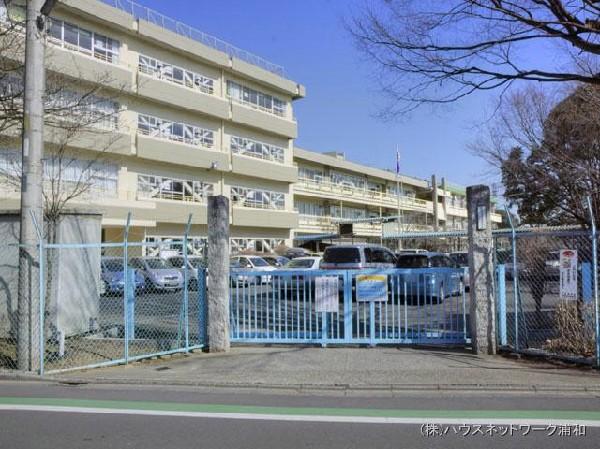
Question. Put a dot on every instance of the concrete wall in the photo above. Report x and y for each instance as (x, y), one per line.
(73, 292)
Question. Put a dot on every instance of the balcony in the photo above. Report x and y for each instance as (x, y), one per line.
(256, 118)
(327, 224)
(188, 98)
(271, 218)
(252, 166)
(325, 188)
(173, 152)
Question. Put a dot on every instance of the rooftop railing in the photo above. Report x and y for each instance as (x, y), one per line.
(144, 13)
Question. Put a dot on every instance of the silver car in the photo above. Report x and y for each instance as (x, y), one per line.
(159, 273)
(357, 257)
(194, 263)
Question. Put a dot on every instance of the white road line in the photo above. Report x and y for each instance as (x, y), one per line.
(305, 418)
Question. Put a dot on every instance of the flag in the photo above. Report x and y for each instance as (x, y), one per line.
(398, 162)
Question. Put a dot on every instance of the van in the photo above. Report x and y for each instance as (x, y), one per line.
(356, 257)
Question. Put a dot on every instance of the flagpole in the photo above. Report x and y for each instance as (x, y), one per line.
(398, 193)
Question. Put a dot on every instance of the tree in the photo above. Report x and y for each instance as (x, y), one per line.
(76, 109)
(431, 51)
(549, 180)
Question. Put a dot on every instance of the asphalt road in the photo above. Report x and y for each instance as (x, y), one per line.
(40, 415)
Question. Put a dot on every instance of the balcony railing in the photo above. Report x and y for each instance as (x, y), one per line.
(330, 224)
(140, 12)
(326, 186)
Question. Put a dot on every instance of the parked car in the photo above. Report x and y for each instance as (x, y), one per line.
(432, 284)
(254, 263)
(159, 273)
(410, 251)
(358, 256)
(113, 276)
(304, 263)
(195, 263)
(292, 253)
(299, 265)
(276, 261)
(461, 260)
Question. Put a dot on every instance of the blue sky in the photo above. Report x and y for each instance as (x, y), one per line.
(308, 38)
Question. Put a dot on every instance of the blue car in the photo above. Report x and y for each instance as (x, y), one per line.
(113, 276)
(436, 276)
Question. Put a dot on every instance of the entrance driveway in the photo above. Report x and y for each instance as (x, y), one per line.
(341, 368)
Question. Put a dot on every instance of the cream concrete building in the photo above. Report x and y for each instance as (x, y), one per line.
(194, 116)
(331, 189)
(184, 115)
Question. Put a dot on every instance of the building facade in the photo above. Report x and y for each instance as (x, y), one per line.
(193, 116)
(178, 115)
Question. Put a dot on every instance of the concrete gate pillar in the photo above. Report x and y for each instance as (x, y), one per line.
(481, 269)
(218, 274)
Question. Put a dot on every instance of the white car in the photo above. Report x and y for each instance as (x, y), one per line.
(304, 263)
(254, 263)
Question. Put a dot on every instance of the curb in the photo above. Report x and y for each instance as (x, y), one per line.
(299, 388)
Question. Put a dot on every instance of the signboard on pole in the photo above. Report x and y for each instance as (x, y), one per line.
(371, 287)
(568, 274)
(326, 294)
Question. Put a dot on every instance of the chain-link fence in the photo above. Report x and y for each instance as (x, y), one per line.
(9, 279)
(547, 291)
(102, 304)
(108, 303)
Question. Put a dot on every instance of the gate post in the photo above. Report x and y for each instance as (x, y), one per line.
(218, 274)
(481, 269)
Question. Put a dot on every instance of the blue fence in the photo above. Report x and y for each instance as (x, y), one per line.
(394, 306)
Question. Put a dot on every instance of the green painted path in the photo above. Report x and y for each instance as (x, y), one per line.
(590, 418)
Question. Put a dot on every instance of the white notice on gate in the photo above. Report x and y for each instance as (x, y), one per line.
(326, 293)
(568, 274)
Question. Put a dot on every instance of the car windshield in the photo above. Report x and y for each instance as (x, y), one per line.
(341, 255)
(413, 261)
(271, 261)
(300, 263)
(177, 262)
(258, 262)
(462, 259)
(234, 264)
(113, 265)
(157, 264)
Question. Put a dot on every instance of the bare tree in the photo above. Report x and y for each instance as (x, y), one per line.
(79, 112)
(547, 150)
(431, 51)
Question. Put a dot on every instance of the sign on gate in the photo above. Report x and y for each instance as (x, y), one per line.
(568, 274)
(326, 293)
(371, 287)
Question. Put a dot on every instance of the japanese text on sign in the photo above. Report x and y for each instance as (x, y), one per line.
(371, 287)
(568, 274)
(326, 293)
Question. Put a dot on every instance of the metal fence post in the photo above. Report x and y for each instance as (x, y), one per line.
(347, 279)
(126, 287)
(502, 304)
(595, 277)
(41, 287)
(515, 272)
(186, 284)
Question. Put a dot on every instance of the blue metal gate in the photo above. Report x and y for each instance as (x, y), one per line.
(393, 306)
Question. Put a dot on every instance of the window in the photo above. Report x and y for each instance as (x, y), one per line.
(73, 37)
(175, 74)
(378, 255)
(157, 187)
(307, 208)
(181, 132)
(255, 99)
(260, 199)
(313, 174)
(348, 212)
(347, 180)
(254, 148)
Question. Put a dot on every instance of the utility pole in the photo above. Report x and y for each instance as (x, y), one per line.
(32, 146)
